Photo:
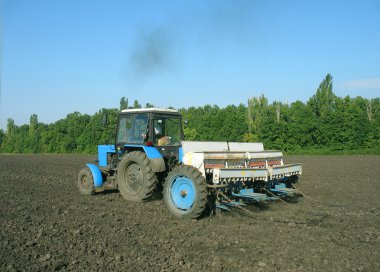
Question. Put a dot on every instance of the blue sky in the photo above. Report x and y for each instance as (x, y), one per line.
(63, 56)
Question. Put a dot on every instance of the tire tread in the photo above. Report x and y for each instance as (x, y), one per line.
(201, 192)
(150, 179)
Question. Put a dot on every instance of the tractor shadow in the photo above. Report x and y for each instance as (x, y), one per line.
(156, 196)
(109, 192)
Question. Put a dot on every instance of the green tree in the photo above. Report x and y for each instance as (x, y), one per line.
(34, 136)
(249, 137)
(123, 103)
(8, 139)
(256, 110)
(136, 105)
(323, 101)
(33, 123)
(2, 136)
(325, 122)
(190, 134)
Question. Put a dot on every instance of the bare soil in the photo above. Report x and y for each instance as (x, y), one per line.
(46, 225)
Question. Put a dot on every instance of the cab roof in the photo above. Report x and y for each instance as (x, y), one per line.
(148, 110)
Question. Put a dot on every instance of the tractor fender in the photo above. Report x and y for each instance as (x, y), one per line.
(158, 165)
(156, 160)
(97, 174)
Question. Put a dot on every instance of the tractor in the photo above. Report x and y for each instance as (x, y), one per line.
(150, 152)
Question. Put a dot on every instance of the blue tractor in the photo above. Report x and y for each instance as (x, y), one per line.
(150, 150)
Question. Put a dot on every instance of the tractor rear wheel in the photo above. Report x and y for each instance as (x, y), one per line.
(135, 177)
(86, 182)
(185, 192)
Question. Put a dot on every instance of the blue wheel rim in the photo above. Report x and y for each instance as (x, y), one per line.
(182, 193)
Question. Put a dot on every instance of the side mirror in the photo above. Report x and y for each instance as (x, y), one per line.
(105, 119)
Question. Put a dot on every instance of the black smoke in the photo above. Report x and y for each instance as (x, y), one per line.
(153, 52)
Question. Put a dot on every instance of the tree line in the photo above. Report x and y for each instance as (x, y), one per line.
(326, 123)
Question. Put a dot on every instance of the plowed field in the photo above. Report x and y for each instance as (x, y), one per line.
(47, 225)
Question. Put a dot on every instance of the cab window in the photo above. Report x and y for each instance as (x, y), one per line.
(132, 129)
(167, 131)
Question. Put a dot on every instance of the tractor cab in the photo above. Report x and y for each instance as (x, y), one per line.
(151, 127)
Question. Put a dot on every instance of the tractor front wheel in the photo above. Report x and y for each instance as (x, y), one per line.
(86, 182)
(185, 192)
(135, 177)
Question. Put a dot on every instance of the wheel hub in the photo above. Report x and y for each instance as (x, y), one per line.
(134, 177)
(182, 192)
